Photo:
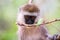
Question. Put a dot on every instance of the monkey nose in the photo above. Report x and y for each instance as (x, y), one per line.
(29, 22)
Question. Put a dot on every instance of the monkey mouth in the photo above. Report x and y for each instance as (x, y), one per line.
(29, 19)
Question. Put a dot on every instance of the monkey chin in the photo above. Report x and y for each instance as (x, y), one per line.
(30, 30)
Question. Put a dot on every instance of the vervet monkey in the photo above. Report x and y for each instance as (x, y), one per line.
(30, 14)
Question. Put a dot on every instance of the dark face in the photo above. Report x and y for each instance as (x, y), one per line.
(29, 19)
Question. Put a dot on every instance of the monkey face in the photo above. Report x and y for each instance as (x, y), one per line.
(28, 14)
(29, 19)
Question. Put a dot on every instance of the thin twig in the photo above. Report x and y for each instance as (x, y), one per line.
(53, 21)
(46, 22)
(38, 25)
(30, 1)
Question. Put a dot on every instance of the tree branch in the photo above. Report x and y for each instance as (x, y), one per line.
(46, 22)
(52, 21)
(38, 25)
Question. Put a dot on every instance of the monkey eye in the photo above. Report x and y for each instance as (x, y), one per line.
(26, 16)
(33, 17)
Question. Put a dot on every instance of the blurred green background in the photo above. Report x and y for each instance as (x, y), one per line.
(8, 14)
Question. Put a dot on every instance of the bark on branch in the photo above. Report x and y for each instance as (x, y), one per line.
(52, 21)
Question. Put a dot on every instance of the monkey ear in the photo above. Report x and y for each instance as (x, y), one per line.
(20, 8)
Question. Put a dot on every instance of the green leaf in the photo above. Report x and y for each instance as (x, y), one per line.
(40, 21)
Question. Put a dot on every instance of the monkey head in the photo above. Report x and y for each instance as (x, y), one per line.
(31, 14)
(28, 14)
